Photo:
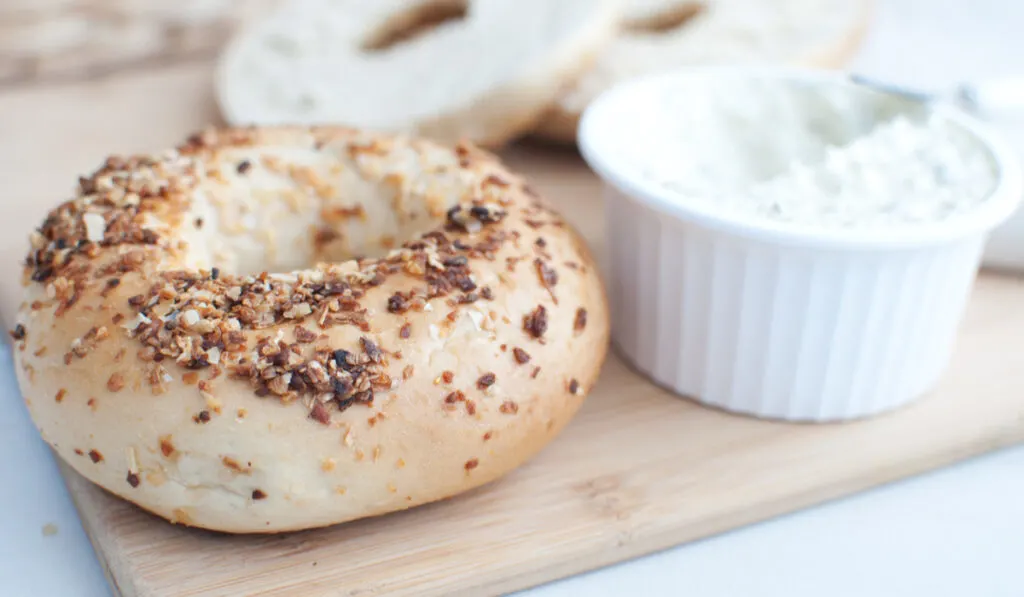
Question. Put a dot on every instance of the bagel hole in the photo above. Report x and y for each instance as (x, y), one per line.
(415, 22)
(302, 243)
(285, 225)
(670, 19)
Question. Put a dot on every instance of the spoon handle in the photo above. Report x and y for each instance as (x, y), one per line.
(999, 96)
(893, 88)
(990, 97)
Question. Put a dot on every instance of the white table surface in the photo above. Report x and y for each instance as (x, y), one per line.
(954, 532)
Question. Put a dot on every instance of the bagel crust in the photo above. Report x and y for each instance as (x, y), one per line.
(162, 362)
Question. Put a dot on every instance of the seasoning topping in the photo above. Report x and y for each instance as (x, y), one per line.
(397, 303)
(472, 219)
(548, 276)
(212, 320)
(199, 320)
(580, 322)
(536, 322)
(486, 380)
(116, 382)
(303, 335)
(110, 210)
(320, 414)
(167, 446)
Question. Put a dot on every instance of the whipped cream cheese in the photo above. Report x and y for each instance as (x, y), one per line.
(833, 155)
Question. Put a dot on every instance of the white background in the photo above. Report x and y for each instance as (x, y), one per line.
(955, 532)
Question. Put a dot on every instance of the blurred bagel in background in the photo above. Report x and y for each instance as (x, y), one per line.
(58, 39)
(479, 70)
(659, 35)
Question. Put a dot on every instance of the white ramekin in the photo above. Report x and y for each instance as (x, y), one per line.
(777, 320)
(1005, 247)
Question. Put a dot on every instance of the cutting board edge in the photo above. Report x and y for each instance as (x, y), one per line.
(85, 496)
(662, 540)
(83, 492)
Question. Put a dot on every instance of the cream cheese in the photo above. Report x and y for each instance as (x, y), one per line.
(838, 156)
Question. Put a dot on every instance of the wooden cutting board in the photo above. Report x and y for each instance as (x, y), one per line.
(638, 470)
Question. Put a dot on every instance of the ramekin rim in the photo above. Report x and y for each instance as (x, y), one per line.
(1003, 200)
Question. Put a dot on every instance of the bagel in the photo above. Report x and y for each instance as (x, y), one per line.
(660, 35)
(486, 74)
(431, 325)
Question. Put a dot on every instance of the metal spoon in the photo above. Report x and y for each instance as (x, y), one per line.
(986, 98)
(999, 101)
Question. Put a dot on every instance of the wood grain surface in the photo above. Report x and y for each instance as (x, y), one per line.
(637, 471)
(60, 40)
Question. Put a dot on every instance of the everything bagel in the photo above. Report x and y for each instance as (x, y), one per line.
(427, 324)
